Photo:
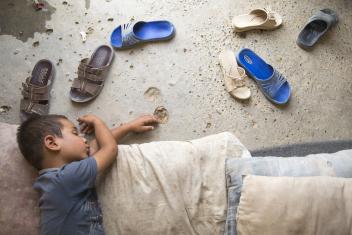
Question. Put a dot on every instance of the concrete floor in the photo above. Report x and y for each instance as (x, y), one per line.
(186, 69)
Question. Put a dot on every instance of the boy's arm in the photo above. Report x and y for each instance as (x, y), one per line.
(142, 124)
(108, 148)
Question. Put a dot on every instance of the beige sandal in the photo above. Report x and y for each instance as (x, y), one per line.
(233, 76)
(257, 19)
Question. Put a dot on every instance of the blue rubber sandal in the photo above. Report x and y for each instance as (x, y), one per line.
(271, 82)
(128, 35)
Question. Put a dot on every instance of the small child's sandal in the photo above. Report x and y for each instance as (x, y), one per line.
(36, 90)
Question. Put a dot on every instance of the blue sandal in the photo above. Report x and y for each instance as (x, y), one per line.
(271, 82)
(128, 35)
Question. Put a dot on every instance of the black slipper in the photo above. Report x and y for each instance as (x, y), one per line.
(316, 27)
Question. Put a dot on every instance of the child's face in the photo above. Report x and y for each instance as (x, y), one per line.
(74, 147)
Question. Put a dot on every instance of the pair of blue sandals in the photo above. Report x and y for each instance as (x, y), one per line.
(271, 82)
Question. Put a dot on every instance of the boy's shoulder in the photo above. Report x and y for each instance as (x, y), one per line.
(77, 175)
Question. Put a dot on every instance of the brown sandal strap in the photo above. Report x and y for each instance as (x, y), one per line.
(93, 88)
(35, 89)
(76, 83)
(85, 86)
(30, 107)
(35, 97)
(35, 93)
(87, 72)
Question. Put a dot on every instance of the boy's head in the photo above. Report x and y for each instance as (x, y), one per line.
(50, 138)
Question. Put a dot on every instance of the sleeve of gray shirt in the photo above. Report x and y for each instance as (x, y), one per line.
(79, 176)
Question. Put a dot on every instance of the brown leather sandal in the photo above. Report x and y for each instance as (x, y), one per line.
(91, 75)
(36, 90)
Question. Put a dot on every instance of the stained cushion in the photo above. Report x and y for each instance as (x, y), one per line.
(295, 205)
(18, 200)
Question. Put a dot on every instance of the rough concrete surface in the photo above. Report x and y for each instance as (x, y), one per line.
(185, 71)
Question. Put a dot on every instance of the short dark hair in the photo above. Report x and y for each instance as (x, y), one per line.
(31, 133)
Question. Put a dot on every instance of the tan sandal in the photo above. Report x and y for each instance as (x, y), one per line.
(36, 90)
(91, 75)
(234, 76)
(257, 19)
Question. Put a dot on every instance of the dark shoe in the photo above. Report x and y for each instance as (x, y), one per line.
(36, 90)
(91, 75)
(316, 27)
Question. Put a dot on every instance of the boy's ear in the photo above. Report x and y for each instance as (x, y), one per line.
(51, 143)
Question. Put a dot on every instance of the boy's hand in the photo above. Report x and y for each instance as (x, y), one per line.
(143, 123)
(87, 122)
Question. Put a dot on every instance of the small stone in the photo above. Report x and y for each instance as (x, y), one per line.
(184, 50)
(83, 36)
(131, 66)
(35, 44)
(59, 62)
(90, 30)
(16, 52)
(5, 108)
(208, 125)
(111, 19)
(64, 3)
(49, 31)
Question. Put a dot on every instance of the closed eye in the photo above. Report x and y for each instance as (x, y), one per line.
(75, 131)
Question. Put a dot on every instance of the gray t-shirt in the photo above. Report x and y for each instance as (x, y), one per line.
(68, 200)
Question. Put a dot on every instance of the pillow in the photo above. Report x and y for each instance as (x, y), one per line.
(18, 200)
(295, 205)
(337, 164)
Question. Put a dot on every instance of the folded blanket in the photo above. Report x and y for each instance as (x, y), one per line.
(169, 187)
